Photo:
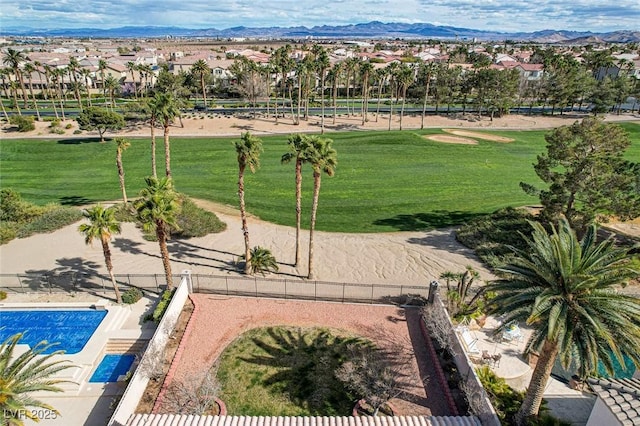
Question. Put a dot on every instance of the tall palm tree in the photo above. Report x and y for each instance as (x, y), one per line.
(381, 78)
(29, 69)
(248, 150)
(202, 70)
(13, 59)
(86, 73)
(21, 375)
(166, 110)
(73, 69)
(102, 225)
(50, 77)
(112, 86)
(152, 104)
(351, 68)
(323, 159)
(298, 145)
(102, 67)
(427, 70)
(121, 145)
(565, 289)
(405, 78)
(322, 64)
(157, 209)
(131, 67)
(334, 76)
(366, 69)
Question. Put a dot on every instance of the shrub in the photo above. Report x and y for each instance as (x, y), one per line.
(261, 261)
(196, 222)
(14, 209)
(68, 126)
(57, 130)
(163, 304)
(490, 236)
(55, 122)
(7, 232)
(131, 295)
(3, 295)
(77, 131)
(54, 217)
(24, 123)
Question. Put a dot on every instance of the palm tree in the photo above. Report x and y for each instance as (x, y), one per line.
(428, 70)
(86, 73)
(121, 145)
(131, 67)
(102, 66)
(13, 58)
(381, 77)
(201, 69)
(565, 289)
(102, 225)
(366, 69)
(298, 145)
(248, 149)
(322, 158)
(334, 76)
(72, 69)
(152, 104)
(262, 260)
(322, 64)
(405, 78)
(29, 69)
(157, 210)
(21, 375)
(112, 86)
(166, 108)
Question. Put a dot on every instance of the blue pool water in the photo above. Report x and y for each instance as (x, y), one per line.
(619, 372)
(72, 329)
(111, 367)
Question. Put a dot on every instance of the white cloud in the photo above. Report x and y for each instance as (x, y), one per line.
(501, 15)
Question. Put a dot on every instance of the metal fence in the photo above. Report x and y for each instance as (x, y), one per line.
(308, 290)
(70, 282)
(220, 284)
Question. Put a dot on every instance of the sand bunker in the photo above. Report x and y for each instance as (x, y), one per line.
(452, 139)
(479, 135)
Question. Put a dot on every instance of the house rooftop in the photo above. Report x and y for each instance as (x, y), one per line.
(191, 420)
(622, 396)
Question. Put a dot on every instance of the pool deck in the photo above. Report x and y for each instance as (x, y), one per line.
(81, 402)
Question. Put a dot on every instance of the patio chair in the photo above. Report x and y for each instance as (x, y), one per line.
(486, 357)
(496, 359)
(467, 341)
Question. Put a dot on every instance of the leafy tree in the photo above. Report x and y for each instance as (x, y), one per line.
(121, 145)
(157, 210)
(564, 288)
(24, 374)
(586, 174)
(322, 158)
(102, 225)
(248, 150)
(100, 119)
(298, 144)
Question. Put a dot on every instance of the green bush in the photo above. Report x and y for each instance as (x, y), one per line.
(3, 295)
(163, 304)
(14, 209)
(196, 222)
(7, 231)
(55, 122)
(77, 131)
(56, 130)
(54, 218)
(24, 123)
(492, 235)
(131, 295)
(68, 126)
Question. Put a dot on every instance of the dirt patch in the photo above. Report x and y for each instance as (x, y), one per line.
(452, 139)
(145, 406)
(479, 135)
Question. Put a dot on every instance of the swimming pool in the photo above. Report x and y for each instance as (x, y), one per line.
(71, 329)
(111, 367)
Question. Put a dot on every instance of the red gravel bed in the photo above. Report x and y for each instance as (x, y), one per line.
(218, 320)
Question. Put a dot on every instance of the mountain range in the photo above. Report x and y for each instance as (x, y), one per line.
(369, 30)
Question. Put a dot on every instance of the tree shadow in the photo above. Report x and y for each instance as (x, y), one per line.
(427, 221)
(442, 240)
(75, 200)
(78, 141)
(305, 366)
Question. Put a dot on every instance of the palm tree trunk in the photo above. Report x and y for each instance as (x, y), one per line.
(404, 98)
(107, 260)
(298, 208)
(322, 103)
(424, 102)
(243, 217)
(121, 175)
(335, 98)
(204, 91)
(4, 111)
(153, 148)
(541, 373)
(314, 209)
(167, 151)
(164, 252)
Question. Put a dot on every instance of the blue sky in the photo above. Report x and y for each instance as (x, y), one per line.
(500, 15)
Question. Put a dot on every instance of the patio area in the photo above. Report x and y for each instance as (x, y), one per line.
(483, 347)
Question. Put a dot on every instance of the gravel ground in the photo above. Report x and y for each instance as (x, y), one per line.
(219, 320)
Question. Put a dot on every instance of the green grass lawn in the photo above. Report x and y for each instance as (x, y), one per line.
(385, 181)
(286, 371)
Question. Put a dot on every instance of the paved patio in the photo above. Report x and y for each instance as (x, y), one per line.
(564, 402)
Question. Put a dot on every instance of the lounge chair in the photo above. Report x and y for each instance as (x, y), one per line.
(468, 341)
